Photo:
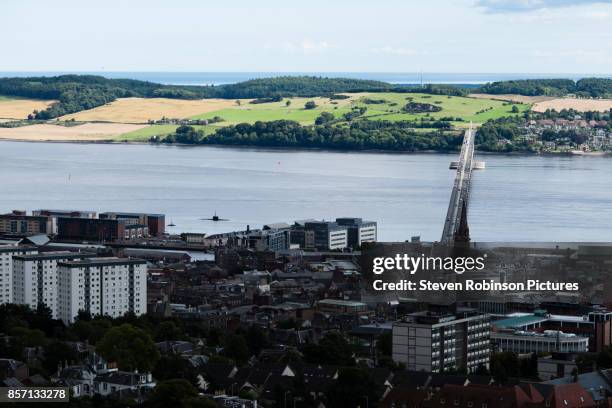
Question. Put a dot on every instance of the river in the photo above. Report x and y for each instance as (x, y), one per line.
(517, 198)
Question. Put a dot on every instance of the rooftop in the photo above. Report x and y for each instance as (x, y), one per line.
(338, 302)
(44, 256)
(103, 262)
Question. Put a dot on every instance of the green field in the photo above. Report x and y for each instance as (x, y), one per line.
(147, 133)
(468, 109)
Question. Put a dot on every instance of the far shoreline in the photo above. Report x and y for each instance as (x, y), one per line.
(304, 149)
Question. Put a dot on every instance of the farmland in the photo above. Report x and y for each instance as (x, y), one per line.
(141, 110)
(57, 133)
(20, 108)
(578, 104)
(135, 114)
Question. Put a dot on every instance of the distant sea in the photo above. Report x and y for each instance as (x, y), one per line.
(220, 78)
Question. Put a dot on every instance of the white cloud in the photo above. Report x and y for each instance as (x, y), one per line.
(518, 6)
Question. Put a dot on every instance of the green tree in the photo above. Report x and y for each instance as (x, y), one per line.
(332, 349)
(168, 331)
(354, 387)
(310, 105)
(235, 347)
(323, 118)
(129, 346)
(177, 393)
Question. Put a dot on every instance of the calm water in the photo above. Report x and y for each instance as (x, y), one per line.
(519, 198)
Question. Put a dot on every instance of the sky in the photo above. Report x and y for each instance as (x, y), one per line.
(463, 36)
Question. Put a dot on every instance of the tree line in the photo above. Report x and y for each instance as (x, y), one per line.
(358, 135)
(586, 87)
(74, 93)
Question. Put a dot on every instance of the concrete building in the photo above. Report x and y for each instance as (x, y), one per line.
(550, 341)
(272, 237)
(597, 325)
(18, 223)
(35, 278)
(55, 214)
(436, 342)
(359, 231)
(325, 235)
(198, 238)
(155, 223)
(85, 229)
(557, 365)
(6, 269)
(341, 307)
(102, 286)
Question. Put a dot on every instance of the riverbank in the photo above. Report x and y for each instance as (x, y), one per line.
(309, 149)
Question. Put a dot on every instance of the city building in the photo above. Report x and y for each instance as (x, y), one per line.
(6, 269)
(557, 365)
(102, 286)
(35, 278)
(436, 342)
(338, 307)
(359, 231)
(55, 214)
(64, 213)
(272, 237)
(596, 325)
(521, 342)
(18, 223)
(85, 229)
(156, 223)
(198, 238)
(325, 235)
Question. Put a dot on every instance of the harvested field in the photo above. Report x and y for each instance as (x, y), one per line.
(18, 108)
(513, 98)
(85, 132)
(581, 105)
(141, 110)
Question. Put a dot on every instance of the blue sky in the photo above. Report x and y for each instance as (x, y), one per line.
(533, 36)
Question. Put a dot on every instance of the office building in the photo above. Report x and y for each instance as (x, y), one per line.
(343, 307)
(6, 269)
(325, 235)
(55, 214)
(550, 341)
(358, 230)
(596, 325)
(102, 286)
(18, 223)
(437, 342)
(272, 237)
(96, 230)
(35, 278)
(155, 223)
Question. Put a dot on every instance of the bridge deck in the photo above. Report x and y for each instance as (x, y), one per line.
(461, 188)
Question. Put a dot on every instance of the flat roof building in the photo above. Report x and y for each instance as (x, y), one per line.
(156, 223)
(102, 286)
(437, 342)
(35, 278)
(18, 223)
(6, 269)
(550, 341)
